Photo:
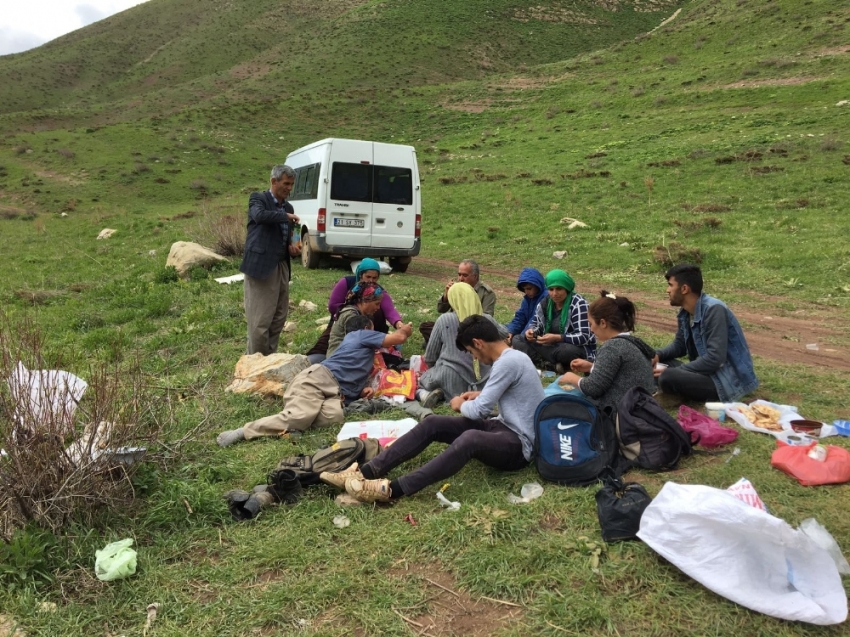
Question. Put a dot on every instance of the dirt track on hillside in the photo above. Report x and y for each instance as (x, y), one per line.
(774, 334)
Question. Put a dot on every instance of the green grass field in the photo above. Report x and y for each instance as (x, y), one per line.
(717, 134)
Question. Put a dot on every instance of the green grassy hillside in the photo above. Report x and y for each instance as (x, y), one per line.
(173, 49)
(719, 136)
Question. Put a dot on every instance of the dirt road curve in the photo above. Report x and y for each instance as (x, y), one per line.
(776, 335)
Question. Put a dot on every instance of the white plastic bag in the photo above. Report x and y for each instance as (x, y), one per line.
(530, 491)
(376, 428)
(744, 554)
(824, 539)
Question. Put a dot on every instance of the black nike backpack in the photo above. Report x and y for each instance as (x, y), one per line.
(574, 440)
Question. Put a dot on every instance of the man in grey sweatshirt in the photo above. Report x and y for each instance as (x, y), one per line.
(504, 442)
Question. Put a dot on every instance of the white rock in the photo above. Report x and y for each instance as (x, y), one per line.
(560, 254)
(843, 103)
(106, 233)
(308, 305)
(625, 244)
(323, 321)
(290, 327)
(151, 253)
(573, 223)
(185, 255)
(64, 214)
(258, 374)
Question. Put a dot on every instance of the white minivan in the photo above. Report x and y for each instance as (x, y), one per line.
(357, 199)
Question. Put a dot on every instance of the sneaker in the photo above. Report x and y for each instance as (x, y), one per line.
(435, 397)
(364, 490)
(339, 478)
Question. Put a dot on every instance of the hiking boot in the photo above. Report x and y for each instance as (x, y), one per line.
(364, 490)
(339, 479)
(236, 500)
(286, 486)
(434, 398)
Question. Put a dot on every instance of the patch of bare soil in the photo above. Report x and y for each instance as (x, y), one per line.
(249, 69)
(468, 106)
(521, 83)
(555, 13)
(833, 50)
(450, 611)
(782, 81)
(775, 333)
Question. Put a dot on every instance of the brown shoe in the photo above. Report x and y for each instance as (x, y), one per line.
(364, 490)
(338, 479)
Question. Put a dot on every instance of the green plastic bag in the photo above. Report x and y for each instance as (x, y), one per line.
(115, 561)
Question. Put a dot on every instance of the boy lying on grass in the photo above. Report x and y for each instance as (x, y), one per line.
(504, 442)
(316, 396)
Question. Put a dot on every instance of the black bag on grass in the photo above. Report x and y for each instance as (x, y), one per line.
(649, 437)
(574, 440)
(336, 457)
(620, 506)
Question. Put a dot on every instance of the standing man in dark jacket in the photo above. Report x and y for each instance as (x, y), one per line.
(719, 364)
(266, 261)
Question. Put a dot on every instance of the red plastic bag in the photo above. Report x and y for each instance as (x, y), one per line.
(389, 382)
(809, 472)
(706, 431)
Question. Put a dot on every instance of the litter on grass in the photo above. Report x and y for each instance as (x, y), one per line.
(115, 561)
(231, 279)
(448, 504)
(530, 491)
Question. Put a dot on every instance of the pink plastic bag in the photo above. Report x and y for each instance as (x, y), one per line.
(708, 431)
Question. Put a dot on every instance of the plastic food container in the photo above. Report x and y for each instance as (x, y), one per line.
(716, 411)
(803, 426)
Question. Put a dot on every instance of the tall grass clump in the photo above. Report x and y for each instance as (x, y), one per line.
(223, 233)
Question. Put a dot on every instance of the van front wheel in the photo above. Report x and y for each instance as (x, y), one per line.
(309, 258)
(400, 264)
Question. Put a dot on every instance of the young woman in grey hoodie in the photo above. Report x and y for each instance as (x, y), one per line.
(622, 362)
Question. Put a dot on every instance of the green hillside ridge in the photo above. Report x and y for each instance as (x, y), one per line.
(173, 49)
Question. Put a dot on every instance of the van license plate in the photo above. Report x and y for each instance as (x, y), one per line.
(349, 223)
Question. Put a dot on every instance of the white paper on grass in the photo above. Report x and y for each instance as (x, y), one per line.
(376, 428)
(46, 396)
(385, 267)
(744, 554)
(231, 279)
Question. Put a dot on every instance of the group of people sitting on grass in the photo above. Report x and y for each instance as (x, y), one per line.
(476, 364)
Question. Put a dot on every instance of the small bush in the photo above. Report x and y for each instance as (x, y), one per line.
(671, 59)
(26, 558)
(829, 144)
(59, 469)
(200, 185)
(67, 153)
(168, 274)
(225, 233)
(674, 252)
(141, 168)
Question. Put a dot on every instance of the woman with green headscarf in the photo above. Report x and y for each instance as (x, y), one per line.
(368, 271)
(560, 330)
(451, 371)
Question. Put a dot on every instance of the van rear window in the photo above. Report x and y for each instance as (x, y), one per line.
(378, 184)
(393, 185)
(351, 182)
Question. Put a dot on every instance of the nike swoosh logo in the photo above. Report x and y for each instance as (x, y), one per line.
(561, 426)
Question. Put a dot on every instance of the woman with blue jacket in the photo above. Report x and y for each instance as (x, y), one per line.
(530, 282)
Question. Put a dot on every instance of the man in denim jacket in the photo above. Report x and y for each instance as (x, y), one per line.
(720, 366)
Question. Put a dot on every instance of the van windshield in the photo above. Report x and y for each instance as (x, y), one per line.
(367, 183)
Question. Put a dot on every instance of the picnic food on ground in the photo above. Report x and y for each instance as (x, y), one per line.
(762, 416)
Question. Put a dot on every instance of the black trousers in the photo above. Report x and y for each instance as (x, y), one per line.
(688, 385)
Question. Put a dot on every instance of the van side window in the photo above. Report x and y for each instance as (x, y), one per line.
(351, 182)
(393, 185)
(306, 183)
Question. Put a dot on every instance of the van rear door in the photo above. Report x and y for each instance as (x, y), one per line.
(349, 212)
(395, 196)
